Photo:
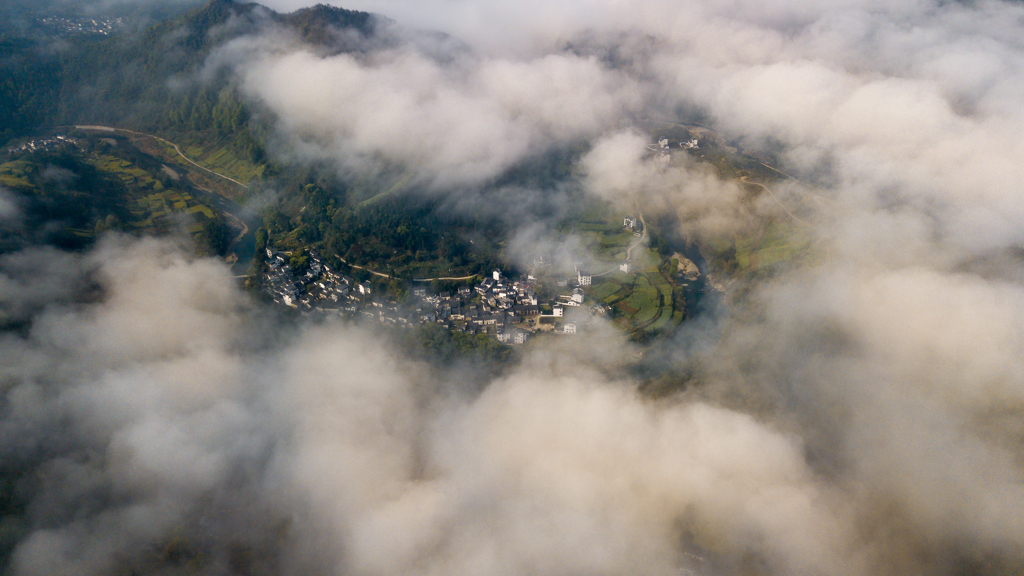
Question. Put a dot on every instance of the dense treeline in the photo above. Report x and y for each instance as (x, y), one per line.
(319, 25)
(148, 80)
(29, 92)
(127, 81)
(388, 234)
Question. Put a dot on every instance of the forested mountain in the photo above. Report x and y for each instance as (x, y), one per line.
(147, 80)
(161, 81)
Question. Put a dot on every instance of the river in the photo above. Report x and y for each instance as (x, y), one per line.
(243, 248)
(698, 294)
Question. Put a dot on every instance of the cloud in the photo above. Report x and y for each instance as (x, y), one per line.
(142, 409)
(903, 97)
(921, 107)
(621, 168)
(169, 418)
(448, 124)
(890, 354)
(893, 376)
(9, 210)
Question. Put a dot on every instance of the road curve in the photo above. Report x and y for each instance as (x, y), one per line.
(172, 144)
(746, 180)
(383, 275)
(629, 251)
(445, 278)
(643, 234)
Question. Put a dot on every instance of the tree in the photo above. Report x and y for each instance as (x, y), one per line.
(299, 262)
(360, 275)
(216, 234)
(261, 239)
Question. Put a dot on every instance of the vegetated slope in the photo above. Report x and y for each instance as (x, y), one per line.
(320, 24)
(66, 197)
(127, 79)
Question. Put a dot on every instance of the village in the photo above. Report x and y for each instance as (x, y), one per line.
(508, 309)
(54, 143)
(67, 26)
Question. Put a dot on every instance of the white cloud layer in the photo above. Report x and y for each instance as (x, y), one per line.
(913, 100)
(554, 467)
(449, 124)
(862, 436)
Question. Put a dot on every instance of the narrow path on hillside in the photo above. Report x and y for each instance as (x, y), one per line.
(629, 251)
(445, 278)
(643, 233)
(383, 275)
(746, 180)
(171, 144)
(358, 267)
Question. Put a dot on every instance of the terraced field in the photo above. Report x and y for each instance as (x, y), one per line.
(151, 208)
(151, 204)
(219, 156)
(640, 301)
(15, 174)
(133, 177)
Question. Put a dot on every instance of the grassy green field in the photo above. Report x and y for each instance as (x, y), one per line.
(15, 174)
(398, 186)
(605, 289)
(616, 239)
(781, 242)
(663, 320)
(217, 154)
(640, 301)
(599, 227)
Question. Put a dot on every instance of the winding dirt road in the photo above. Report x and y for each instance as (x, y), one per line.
(171, 144)
(245, 229)
(643, 234)
(746, 180)
(383, 275)
(629, 251)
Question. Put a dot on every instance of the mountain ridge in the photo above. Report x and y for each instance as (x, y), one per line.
(124, 79)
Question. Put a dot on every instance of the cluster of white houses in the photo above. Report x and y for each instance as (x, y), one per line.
(664, 151)
(45, 144)
(509, 310)
(103, 26)
(318, 288)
